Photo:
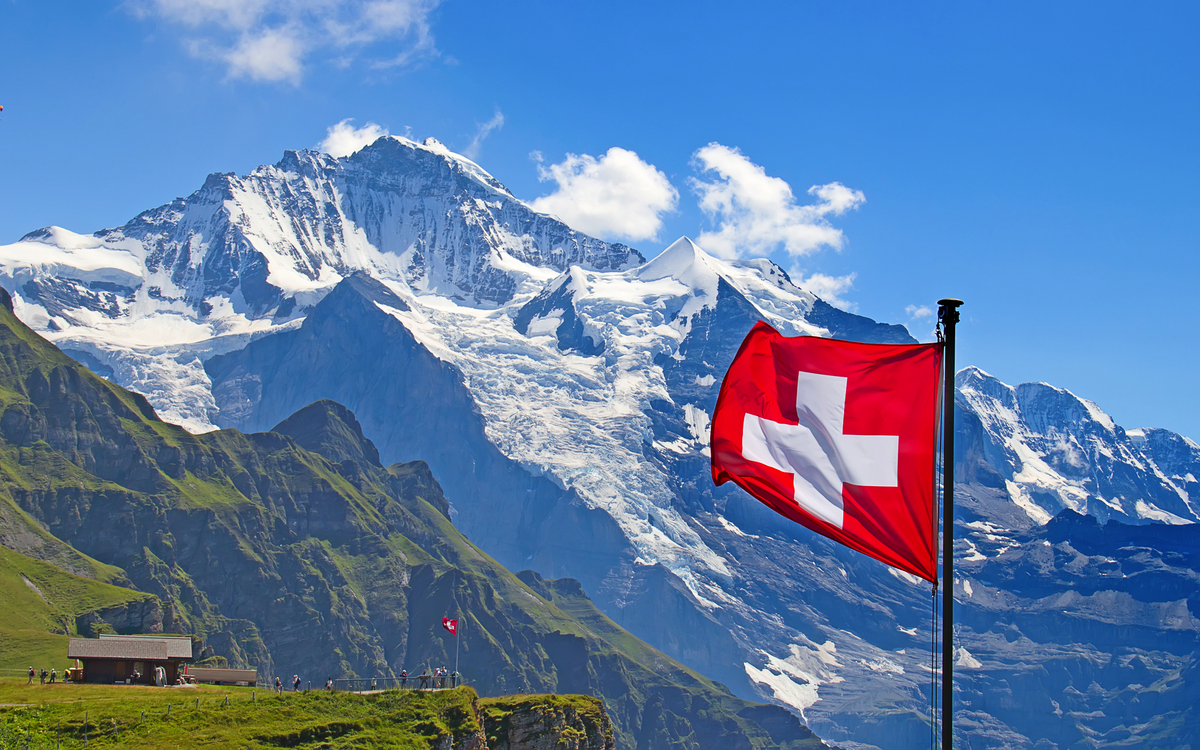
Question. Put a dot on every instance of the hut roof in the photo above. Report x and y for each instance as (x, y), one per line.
(104, 648)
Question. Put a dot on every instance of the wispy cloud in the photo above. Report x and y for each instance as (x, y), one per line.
(921, 319)
(344, 139)
(483, 131)
(615, 196)
(756, 214)
(829, 288)
(273, 40)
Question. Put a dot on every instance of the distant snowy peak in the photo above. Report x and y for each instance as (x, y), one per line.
(1055, 451)
(685, 262)
(272, 242)
(683, 280)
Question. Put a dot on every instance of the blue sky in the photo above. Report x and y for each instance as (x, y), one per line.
(1038, 160)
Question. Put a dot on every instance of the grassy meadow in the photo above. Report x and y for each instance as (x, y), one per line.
(65, 715)
(40, 602)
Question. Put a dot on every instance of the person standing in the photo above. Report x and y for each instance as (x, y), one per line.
(278, 686)
(53, 675)
(31, 673)
(295, 683)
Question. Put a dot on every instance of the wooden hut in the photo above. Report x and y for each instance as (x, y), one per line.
(116, 658)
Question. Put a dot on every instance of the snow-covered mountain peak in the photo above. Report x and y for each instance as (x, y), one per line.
(61, 238)
(61, 256)
(1042, 403)
(269, 244)
(1056, 451)
(979, 386)
(397, 153)
(684, 261)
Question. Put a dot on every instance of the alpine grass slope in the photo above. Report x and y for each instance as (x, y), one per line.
(560, 389)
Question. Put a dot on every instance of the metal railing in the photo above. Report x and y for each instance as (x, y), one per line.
(412, 682)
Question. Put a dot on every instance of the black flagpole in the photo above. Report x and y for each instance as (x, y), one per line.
(948, 317)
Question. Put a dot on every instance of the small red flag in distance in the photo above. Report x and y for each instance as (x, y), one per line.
(838, 436)
(451, 625)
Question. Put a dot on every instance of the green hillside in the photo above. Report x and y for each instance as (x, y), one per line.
(212, 717)
(296, 552)
(44, 605)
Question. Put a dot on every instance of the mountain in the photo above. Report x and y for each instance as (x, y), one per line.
(1056, 451)
(297, 550)
(567, 421)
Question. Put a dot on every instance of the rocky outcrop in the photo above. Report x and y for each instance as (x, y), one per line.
(546, 722)
(138, 616)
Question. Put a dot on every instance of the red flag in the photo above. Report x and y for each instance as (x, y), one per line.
(838, 436)
(451, 625)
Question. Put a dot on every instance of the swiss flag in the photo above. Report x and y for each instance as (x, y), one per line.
(838, 436)
(451, 625)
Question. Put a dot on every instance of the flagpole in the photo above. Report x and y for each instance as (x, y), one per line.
(948, 317)
(457, 640)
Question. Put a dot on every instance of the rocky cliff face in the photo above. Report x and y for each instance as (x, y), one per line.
(546, 723)
(1088, 632)
(142, 616)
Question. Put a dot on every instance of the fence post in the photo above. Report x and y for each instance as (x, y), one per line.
(85, 728)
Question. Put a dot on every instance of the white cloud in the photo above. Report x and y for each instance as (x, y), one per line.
(920, 316)
(828, 288)
(270, 40)
(497, 122)
(617, 196)
(756, 214)
(271, 55)
(344, 139)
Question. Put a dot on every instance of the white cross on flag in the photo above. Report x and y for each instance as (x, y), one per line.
(838, 436)
(451, 625)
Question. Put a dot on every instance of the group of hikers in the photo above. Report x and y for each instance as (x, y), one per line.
(441, 677)
(425, 680)
(295, 684)
(51, 676)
